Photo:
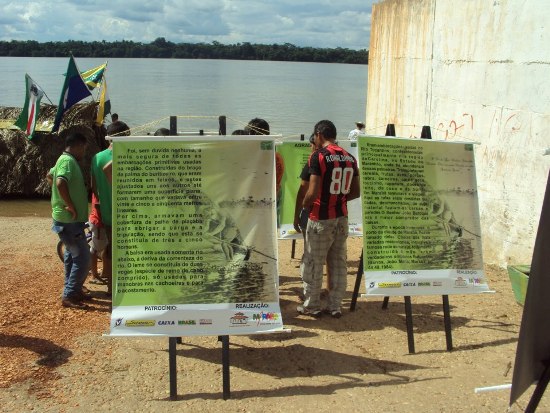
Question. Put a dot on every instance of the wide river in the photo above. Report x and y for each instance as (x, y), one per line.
(145, 92)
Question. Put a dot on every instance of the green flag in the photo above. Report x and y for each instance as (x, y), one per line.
(27, 119)
(74, 90)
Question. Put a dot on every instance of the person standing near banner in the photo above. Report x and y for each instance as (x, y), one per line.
(102, 189)
(334, 181)
(117, 127)
(69, 213)
(99, 239)
(359, 126)
(258, 126)
(301, 214)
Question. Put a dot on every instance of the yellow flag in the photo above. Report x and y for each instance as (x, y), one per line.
(104, 103)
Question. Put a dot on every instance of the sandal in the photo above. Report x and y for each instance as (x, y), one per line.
(97, 279)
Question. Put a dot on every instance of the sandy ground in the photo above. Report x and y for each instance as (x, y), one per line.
(57, 360)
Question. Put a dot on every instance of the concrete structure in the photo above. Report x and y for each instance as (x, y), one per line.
(473, 70)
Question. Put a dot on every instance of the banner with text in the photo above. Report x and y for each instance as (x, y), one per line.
(295, 155)
(194, 242)
(421, 217)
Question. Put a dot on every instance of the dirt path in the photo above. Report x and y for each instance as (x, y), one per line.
(56, 360)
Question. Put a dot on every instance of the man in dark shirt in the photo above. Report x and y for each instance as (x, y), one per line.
(117, 127)
(334, 181)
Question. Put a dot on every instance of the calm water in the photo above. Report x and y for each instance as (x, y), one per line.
(25, 208)
(290, 96)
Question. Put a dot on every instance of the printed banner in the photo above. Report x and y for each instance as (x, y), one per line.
(355, 218)
(421, 217)
(295, 155)
(194, 243)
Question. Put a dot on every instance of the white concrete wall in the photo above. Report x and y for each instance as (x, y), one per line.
(474, 70)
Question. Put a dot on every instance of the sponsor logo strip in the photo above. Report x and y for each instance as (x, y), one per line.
(140, 323)
(389, 285)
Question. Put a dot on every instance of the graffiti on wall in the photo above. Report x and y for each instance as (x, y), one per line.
(459, 127)
(504, 125)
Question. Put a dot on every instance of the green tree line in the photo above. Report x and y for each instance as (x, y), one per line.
(161, 48)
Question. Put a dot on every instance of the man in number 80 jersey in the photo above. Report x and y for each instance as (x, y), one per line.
(334, 181)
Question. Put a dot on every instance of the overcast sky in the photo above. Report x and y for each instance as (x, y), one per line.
(317, 23)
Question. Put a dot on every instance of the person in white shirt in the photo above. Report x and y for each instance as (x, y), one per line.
(359, 130)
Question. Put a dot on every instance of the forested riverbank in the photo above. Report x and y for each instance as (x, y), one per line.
(161, 48)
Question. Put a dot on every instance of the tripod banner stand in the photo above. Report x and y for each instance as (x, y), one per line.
(194, 242)
(421, 217)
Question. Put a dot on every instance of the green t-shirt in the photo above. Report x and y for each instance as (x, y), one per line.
(68, 169)
(103, 186)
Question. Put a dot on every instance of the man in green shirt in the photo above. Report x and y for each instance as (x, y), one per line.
(70, 213)
(101, 186)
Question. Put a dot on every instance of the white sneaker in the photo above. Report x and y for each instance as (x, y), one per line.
(306, 311)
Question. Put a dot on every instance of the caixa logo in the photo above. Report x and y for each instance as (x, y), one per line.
(166, 323)
(118, 322)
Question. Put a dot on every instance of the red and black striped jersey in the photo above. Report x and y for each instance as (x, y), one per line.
(336, 167)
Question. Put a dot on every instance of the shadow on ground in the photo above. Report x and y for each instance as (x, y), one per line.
(51, 355)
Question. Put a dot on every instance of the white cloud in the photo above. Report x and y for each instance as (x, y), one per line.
(23, 15)
(115, 28)
(32, 12)
(286, 22)
(319, 23)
